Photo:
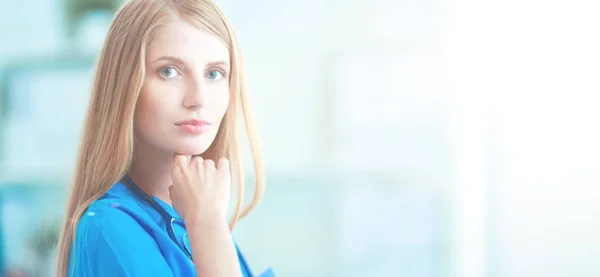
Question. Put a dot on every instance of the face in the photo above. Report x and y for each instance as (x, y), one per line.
(186, 90)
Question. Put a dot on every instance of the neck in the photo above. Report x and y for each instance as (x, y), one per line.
(151, 170)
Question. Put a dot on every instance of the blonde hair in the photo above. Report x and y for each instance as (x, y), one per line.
(106, 148)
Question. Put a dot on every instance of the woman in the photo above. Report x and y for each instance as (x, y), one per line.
(152, 182)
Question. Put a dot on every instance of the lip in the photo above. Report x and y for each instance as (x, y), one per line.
(195, 122)
(194, 126)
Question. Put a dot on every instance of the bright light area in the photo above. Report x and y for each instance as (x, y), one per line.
(536, 65)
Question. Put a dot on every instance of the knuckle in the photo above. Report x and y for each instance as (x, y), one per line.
(223, 163)
(180, 164)
(209, 163)
(181, 160)
(197, 160)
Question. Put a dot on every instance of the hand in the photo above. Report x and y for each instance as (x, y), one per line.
(201, 191)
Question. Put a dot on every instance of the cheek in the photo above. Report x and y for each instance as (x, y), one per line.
(221, 104)
(150, 108)
(146, 109)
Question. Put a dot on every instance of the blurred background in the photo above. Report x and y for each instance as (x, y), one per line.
(435, 138)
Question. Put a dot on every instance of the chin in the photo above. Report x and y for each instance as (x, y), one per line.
(191, 150)
(192, 146)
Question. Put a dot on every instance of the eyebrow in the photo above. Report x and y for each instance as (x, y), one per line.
(180, 61)
(169, 58)
(218, 63)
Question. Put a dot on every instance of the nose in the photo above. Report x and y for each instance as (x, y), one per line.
(196, 94)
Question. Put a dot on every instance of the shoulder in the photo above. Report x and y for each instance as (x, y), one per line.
(116, 218)
(111, 235)
(112, 223)
(107, 216)
(118, 205)
(112, 212)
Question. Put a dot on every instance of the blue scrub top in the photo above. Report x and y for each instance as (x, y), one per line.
(122, 235)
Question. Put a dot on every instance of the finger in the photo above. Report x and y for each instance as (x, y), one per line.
(223, 165)
(177, 173)
(179, 168)
(180, 161)
(197, 162)
(209, 164)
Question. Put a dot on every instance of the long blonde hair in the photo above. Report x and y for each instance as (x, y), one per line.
(107, 143)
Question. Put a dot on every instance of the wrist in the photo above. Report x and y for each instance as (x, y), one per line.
(213, 222)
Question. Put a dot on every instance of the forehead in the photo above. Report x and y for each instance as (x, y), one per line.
(187, 42)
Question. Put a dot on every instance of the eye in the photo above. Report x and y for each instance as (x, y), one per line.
(215, 74)
(168, 72)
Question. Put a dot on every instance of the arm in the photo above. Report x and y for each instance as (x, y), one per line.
(213, 250)
(200, 194)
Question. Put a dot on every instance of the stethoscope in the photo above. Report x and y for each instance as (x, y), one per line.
(172, 221)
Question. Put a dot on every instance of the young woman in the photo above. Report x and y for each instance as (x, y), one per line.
(153, 180)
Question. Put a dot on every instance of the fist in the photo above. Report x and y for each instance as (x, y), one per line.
(201, 189)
